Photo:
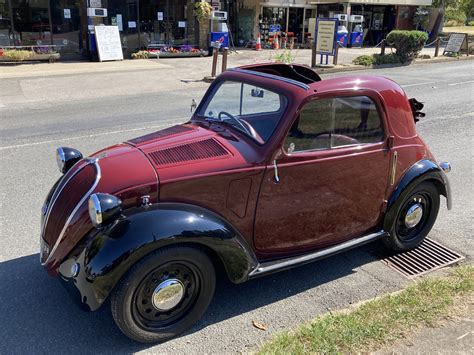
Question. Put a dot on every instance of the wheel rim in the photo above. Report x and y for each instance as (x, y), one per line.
(413, 216)
(166, 295)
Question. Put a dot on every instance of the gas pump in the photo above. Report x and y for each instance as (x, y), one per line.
(342, 32)
(356, 31)
(219, 30)
(95, 17)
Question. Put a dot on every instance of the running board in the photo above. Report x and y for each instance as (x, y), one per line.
(270, 267)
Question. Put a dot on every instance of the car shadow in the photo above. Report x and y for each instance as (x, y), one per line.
(39, 316)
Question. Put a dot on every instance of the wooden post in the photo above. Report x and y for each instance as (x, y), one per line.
(336, 52)
(214, 62)
(437, 47)
(224, 59)
(466, 40)
(382, 48)
(313, 54)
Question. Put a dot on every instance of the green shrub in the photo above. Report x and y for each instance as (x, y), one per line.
(366, 60)
(391, 58)
(17, 55)
(455, 16)
(140, 55)
(407, 44)
(284, 57)
(470, 23)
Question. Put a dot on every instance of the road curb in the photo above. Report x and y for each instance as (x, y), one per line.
(355, 67)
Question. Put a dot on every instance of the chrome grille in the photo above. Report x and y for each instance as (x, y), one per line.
(68, 194)
(199, 150)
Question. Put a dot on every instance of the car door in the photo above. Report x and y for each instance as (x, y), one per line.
(332, 177)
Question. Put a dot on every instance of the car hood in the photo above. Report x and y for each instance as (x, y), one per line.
(189, 150)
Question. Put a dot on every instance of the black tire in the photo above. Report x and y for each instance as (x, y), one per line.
(403, 238)
(134, 308)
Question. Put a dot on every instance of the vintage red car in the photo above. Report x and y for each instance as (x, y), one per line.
(276, 168)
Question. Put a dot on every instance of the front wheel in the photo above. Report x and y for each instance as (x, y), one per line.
(164, 294)
(415, 218)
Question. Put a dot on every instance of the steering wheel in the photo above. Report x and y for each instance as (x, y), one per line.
(236, 120)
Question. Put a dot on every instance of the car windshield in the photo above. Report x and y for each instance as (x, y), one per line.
(248, 108)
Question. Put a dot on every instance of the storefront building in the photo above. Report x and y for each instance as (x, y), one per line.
(294, 16)
(70, 23)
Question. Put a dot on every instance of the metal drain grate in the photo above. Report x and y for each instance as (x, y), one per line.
(427, 257)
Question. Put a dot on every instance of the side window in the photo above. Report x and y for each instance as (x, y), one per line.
(312, 128)
(335, 122)
(356, 121)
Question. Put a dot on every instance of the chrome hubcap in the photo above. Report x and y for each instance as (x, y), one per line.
(413, 216)
(167, 294)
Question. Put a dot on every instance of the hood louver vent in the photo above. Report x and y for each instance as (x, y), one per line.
(205, 149)
(161, 134)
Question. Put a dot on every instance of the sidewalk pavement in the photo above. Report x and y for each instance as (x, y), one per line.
(178, 68)
(455, 336)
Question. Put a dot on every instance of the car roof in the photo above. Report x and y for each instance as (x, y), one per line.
(357, 82)
(306, 78)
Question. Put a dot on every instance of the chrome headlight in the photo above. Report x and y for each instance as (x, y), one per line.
(66, 158)
(103, 208)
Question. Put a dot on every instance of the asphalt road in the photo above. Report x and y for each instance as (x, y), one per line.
(90, 111)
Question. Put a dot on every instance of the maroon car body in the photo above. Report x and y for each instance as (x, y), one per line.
(239, 193)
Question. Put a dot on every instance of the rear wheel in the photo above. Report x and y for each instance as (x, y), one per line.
(164, 294)
(415, 218)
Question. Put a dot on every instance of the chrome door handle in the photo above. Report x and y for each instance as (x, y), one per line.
(276, 177)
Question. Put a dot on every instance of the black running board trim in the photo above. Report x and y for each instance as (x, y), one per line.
(274, 266)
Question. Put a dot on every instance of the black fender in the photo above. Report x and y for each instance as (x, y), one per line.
(109, 252)
(420, 171)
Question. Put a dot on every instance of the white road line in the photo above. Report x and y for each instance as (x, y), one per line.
(81, 137)
(418, 84)
(462, 82)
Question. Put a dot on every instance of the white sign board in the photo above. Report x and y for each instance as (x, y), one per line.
(67, 13)
(108, 43)
(455, 42)
(132, 24)
(181, 24)
(159, 16)
(325, 36)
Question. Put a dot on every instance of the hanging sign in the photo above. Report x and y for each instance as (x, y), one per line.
(326, 29)
(274, 28)
(95, 3)
(455, 42)
(119, 22)
(108, 43)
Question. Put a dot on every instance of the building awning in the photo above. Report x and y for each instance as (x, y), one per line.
(283, 4)
(377, 2)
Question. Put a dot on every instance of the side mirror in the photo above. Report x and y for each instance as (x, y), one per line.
(193, 105)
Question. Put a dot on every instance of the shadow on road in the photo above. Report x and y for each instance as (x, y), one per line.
(38, 315)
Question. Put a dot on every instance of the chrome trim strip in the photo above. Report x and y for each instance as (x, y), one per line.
(74, 211)
(272, 266)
